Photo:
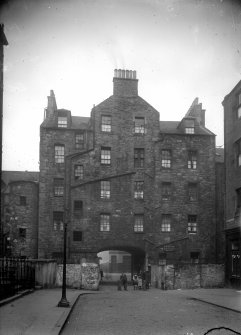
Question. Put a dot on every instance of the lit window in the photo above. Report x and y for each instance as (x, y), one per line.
(59, 154)
(139, 190)
(22, 232)
(166, 158)
(139, 158)
(192, 160)
(238, 152)
(105, 222)
(79, 141)
(105, 155)
(106, 123)
(78, 172)
(166, 191)
(166, 223)
(62, 122)
(105, 189)
(192, 224)
(139, 125)
(139, 223)
(77, 235)
(22, 200)
(58, 220)
(58, 187)
(192, 192)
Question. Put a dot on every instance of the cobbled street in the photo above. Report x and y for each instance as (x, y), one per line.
(152, 312)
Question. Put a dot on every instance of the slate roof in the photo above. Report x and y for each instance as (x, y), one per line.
(9, 176)
(171, 127)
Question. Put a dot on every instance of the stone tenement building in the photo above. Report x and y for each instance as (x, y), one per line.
(124, 180)
(232, 145)
(19, 214)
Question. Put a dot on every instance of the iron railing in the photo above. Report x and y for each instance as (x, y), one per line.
(16, 275)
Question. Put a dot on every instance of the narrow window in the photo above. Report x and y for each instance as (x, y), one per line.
(192, 192)
(139, 223)
(105, 222)
(192, 224)
(77, 235)
(106, 123)
(105, 155)
(139, 158)
(166, 158)
(189, 126)
(22, 200)
(59, 153)
(139, 125)
(238, 152)
(105, 189)
(79, 141)
(166, 223)
(62, 121)
(166, 191)
(139, 190)
(58, 187)
(194, 257)
(22, 232)
(78, 172)
(58, 220)
(192, 160)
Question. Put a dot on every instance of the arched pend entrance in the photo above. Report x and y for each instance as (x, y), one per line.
(115, 261)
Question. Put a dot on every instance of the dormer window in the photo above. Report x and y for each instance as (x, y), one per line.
(189, 126)
(62, 121)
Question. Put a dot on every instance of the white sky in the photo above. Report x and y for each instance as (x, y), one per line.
(181, 49)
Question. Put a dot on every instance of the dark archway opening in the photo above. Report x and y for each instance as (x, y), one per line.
(114, 262)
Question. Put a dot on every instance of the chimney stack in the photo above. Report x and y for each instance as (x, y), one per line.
(125, 83)
(52, 106)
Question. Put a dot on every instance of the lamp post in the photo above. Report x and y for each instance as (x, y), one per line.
(64, 302)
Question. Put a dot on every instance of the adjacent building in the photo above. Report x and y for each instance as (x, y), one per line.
(232, 145)
(123, 180)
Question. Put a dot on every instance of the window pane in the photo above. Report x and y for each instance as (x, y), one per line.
(78, 205)
(139, 125)
(106, 123)
(139, 158)
(58, 187)
(192, 160)
(139, 190)
(189, 130)
(62, 121)
(239, 112)
(58, 220)
(105, 189)
(104, 222)
(78, 172)
(166, 191)
(22, 201)
(139, 223)
(192, 192)
(166, 223)
(79, 141)
(166, 158)
(59, 153)
(105, 155)
(192, 224)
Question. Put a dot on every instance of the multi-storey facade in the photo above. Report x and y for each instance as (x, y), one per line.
(123, 180)
(232, 145)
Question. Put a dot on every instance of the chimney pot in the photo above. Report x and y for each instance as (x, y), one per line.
(119, 73)
(115, 73)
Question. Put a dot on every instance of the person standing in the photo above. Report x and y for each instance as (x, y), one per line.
(123, 279)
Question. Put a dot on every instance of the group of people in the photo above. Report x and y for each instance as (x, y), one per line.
(140, 281)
